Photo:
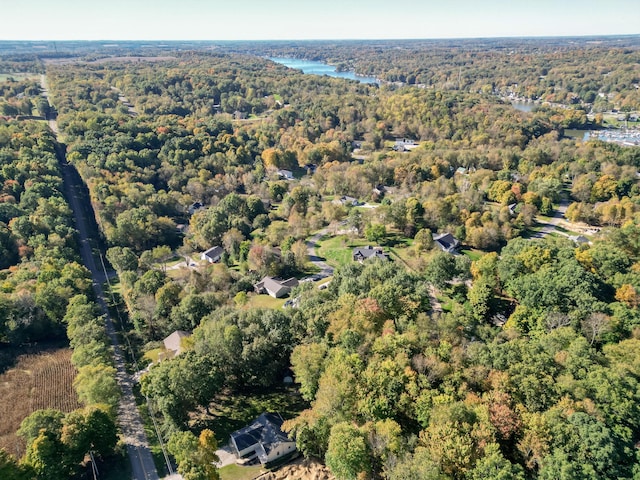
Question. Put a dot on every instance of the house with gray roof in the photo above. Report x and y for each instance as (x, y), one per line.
(213, 255)
(276, 287)
(447, 242)
(173, 343)
(360, 254)
(263, 439)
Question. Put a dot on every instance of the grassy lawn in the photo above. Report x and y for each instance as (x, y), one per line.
(264, 301)
(404, 254)
(234, 411)
(153, 355)
(473, 253)
(237, 472)
(338, 250)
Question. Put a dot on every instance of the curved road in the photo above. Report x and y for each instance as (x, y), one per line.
(131, 426)
(555, 219)
(326, 270)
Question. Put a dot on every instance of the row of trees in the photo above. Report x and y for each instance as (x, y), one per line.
(45, 294)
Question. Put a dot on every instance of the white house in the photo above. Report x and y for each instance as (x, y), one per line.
(404, 144)
(263, 439)
(212, 255)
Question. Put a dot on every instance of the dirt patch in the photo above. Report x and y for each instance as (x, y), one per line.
(301, 469)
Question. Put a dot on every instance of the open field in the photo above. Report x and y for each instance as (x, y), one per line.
(18, 76)
(37, 380)
(338, 250)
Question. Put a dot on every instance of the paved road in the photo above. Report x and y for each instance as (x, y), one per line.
(326, 270)
(554, 220)
(129, 419)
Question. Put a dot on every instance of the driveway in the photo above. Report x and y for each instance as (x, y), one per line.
(326, 270)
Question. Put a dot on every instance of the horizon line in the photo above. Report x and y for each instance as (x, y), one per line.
(363, 39)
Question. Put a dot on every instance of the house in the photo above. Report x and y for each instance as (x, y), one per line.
(173, 343)
(194, 207)
(347, 201)
(286, 174)
(357, 144)
(404, 144)
(579, 239)
(446, 242)
(213, 255)
(379, 189)
(263, 439)
(276, 287)
(360, 254)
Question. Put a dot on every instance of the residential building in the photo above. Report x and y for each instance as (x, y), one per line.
(263, 439)
(173, 343)
(360, 254)
(276, 287)
(446, 242)
(213, 255)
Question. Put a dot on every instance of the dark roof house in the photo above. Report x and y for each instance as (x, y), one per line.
(360, 254)
(194, 207)
(263, 439)
(212, 255)
(446, 242)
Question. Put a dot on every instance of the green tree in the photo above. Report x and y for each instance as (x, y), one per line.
(375, 233)
(97, 384)
(348, 454)
(195, 455)
(494, 466)
(10, 469)
(307, 362)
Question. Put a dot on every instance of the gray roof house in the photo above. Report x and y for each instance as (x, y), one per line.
(360, 254)
(263, 439)
(286, 174)
(346, 200)
(212, 255)
(173, 343)
(276, 287)
(580, 239)
(446, 242)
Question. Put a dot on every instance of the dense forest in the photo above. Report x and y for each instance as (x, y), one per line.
(518, 357)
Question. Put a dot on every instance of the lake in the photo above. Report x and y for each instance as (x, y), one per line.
(312, 67)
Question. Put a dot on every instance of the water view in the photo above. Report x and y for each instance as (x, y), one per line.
(319, 68)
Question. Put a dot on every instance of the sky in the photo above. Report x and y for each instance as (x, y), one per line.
(317, 19)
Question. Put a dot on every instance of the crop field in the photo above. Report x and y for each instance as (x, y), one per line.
(36, 381)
